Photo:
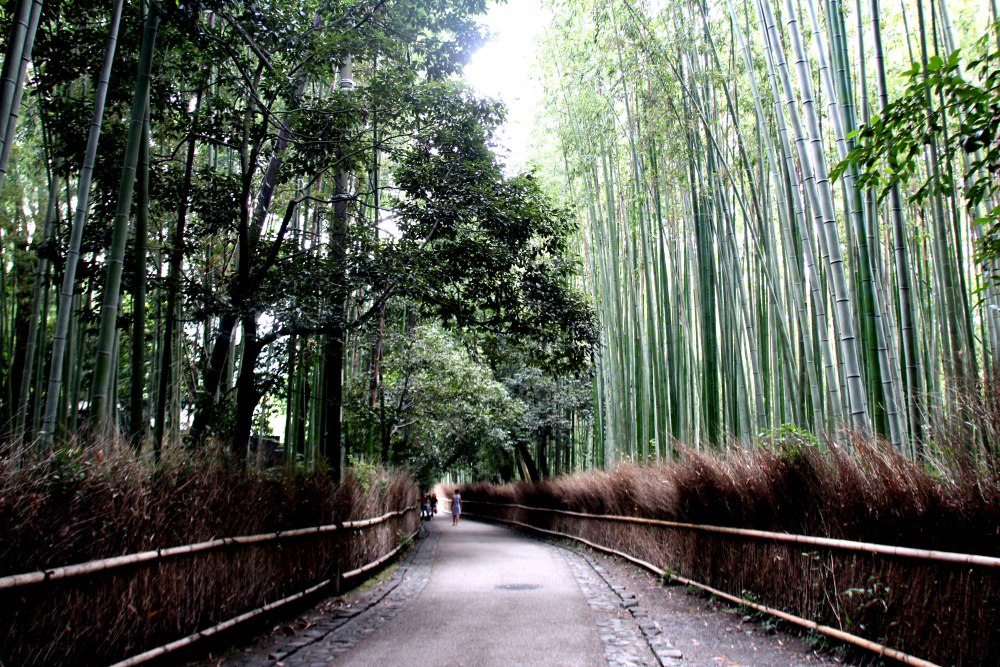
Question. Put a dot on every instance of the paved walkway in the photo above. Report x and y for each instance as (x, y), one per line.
(477, 595)
(480, 595)
(494, 598)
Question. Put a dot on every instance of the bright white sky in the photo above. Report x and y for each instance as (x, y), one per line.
(504, 68)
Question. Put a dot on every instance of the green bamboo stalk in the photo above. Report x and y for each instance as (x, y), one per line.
(904, 283)
(138, 421)
(814, 164)
(11, 80)
(879, 371)
(103, 362)
(65, 308)
(37, 310)
(8, 124)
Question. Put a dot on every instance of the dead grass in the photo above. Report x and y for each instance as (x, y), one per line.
(92, 502)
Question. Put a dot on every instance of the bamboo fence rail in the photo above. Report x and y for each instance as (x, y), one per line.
(191, 639)
(157, 555)
(848, 545)
(860, 642)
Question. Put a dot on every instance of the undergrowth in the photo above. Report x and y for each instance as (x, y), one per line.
(860, 491)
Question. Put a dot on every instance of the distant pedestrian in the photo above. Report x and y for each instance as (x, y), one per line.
(425, 508)
(456, 508)
(434, 503)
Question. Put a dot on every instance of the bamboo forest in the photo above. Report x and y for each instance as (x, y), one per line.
(273, 266)
(787, 212)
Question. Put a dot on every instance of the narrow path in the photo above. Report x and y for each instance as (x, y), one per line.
(494, 598)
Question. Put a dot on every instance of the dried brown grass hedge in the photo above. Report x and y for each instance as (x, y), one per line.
(87, 503)
(862, 491)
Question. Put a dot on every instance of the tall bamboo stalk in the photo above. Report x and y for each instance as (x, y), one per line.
(104, 360)
(65, 308)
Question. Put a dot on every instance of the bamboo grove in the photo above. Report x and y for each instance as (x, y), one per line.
(225, 219)
(750, 272)
(222, 216)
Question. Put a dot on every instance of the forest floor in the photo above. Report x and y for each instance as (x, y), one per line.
(483, 595)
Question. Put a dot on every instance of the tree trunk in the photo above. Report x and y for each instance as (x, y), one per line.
(291, 401)
(247, 394)
(333, 399)
(543, 455)
(333, 371)
(527, 462)
(223, 339)
(173, 289)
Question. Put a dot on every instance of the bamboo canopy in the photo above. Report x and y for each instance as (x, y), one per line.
(741, 288)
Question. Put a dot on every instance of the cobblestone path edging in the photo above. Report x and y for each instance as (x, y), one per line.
(629, 640)
(339, 631)
(410, 580)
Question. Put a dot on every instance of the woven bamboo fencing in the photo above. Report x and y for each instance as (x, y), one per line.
(899, 602)
(103, 610)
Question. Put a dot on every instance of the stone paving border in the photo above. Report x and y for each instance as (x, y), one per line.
(412, 578)
(622, 641)
(342, 628)
(638, 640)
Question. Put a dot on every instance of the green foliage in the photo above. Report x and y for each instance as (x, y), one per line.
(69, 465)
(368, 474)
(258, 156)
(490, 251)
(442, 409)
(789, 439)
(953, 101)
(555, 402)
(874, 594)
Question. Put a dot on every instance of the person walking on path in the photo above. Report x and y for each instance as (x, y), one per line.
(456, 508)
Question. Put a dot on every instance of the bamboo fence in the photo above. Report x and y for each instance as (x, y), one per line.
(184, 642)
(830, 543)
(865, 547)
(158, 555)
(153, 557)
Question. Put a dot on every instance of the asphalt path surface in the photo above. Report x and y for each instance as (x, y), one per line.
(494, 598)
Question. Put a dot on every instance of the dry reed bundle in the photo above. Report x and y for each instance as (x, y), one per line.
(99, 502)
